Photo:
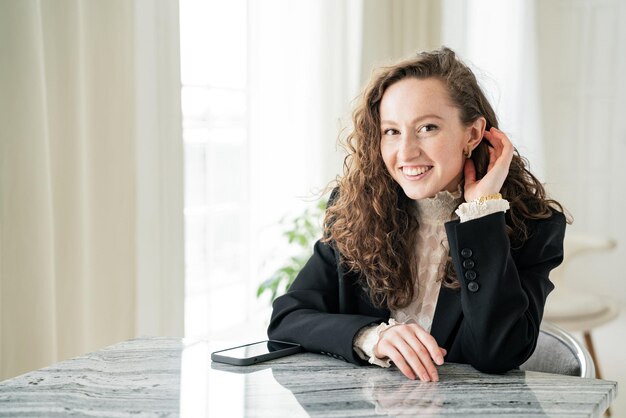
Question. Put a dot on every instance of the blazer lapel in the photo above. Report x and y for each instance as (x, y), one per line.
(448, 313)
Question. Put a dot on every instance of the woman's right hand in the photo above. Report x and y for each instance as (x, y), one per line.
(413, 350)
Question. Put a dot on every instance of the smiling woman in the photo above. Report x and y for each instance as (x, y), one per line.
(428, 173)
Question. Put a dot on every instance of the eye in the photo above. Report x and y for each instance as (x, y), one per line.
(390, 131)
(428, 128)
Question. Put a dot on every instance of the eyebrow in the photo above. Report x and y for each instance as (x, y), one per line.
(417, 119)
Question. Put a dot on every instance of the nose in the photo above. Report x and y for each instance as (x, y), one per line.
(408, 147)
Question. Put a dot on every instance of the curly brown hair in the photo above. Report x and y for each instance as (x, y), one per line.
(370, 221)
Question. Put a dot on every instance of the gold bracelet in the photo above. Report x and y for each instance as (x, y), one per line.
(483, 199)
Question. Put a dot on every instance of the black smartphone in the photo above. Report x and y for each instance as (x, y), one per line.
(248, 354)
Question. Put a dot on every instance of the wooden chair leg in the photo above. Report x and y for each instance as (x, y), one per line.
(592, 351)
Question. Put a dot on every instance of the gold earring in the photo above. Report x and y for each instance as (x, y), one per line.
(467, 152)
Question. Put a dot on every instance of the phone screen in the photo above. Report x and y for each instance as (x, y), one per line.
(255, 349)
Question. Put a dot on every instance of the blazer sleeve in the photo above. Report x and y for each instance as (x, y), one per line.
(309, 313)
(503, 290)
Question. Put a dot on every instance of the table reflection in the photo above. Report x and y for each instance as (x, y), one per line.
(367, 391)
(314, 385)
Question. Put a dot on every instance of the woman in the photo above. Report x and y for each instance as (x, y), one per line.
(438, 241)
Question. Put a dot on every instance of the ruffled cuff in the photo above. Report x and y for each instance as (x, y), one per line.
(367, 338)
(473, 210)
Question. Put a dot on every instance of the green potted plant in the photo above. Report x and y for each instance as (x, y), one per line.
(301, 231)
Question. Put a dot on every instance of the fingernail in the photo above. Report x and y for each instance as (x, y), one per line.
(439, 360)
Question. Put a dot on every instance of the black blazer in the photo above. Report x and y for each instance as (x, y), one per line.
(491, 322)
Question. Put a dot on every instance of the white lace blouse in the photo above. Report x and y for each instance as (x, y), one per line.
(432, 250)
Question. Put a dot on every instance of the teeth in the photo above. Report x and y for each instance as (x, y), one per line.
(414, 171)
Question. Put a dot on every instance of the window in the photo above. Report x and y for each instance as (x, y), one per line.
(215, 133)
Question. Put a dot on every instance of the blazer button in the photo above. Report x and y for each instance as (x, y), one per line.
(470, 275)
(466, 252)
(473, 286)
(468, 264)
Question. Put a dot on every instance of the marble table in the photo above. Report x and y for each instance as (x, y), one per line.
(163, 377)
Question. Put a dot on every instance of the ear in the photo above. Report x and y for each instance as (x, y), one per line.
(476, 131)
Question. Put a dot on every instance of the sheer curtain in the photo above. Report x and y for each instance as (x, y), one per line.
(304, 74)
(70, 218)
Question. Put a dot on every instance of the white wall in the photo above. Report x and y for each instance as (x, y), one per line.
(582, 63)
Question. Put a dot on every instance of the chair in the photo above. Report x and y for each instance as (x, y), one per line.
(558, 352)
(575, 310)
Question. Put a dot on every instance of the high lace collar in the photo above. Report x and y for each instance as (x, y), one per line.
(439, 208)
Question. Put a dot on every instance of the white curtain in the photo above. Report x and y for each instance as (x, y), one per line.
(69, 179)
(159, 169)
(304, 73)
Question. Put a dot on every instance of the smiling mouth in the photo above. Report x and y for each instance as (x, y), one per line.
(416, 171)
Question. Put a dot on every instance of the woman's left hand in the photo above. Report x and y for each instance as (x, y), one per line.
(500, 156)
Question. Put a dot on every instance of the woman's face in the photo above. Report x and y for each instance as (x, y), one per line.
(422, 137)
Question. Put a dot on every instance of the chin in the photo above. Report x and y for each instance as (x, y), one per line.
(418, 194)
